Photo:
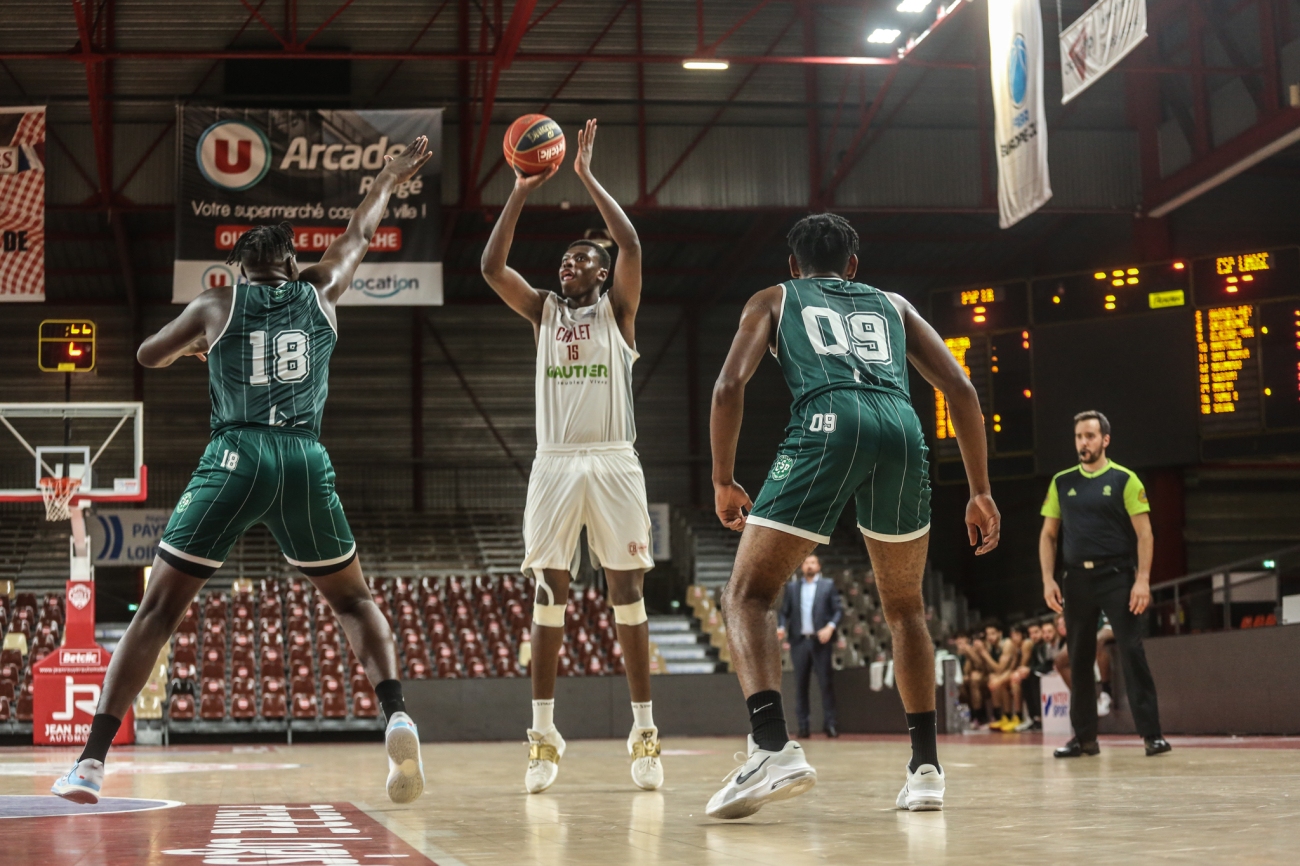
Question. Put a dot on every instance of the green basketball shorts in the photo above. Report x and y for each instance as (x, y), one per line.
(249, 476)
(861, 444)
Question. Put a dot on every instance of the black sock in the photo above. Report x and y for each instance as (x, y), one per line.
(389, 693)
(767, 717)
(103, 728)
(925, 746)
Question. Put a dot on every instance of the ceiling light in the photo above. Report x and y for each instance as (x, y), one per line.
(882, 36)
(913, 5)
(705, 64)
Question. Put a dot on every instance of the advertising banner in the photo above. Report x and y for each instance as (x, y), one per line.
(1100, 38)
(240, 167)
(66, 685)
(126, 536)
(1019, 121)
(22, 203)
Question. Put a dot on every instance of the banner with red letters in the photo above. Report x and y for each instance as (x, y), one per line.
(22, 203)
(241, 167)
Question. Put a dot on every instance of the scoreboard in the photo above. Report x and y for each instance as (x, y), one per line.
(1241, 318)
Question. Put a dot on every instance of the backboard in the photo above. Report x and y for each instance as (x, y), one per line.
(101, 443)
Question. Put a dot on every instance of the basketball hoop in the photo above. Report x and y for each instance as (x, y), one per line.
(56, 493)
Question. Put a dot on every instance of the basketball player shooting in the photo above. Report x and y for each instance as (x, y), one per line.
(852, 435)
(267, 344)
(586, 471)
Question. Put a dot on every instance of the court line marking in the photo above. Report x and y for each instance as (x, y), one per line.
(422, 844)
(163, 804)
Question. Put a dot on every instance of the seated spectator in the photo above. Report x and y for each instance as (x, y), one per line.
(999, 658)
(1023, 639)
(973, 679)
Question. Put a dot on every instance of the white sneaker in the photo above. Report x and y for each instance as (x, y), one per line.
(763, 777)
(405, 767)
(1103, 704)
(923, 790)
(545, 748)
(647, 769)
(81, 784)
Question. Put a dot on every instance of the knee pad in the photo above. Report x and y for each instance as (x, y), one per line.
(549, 615)
(630, 614)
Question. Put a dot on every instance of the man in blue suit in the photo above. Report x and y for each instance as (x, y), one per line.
(810, 613)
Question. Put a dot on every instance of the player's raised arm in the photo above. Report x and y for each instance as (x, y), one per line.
(333, 273)
(189, 333)
(926, 351)
(757, 327)
(625, 293)
(505, 280)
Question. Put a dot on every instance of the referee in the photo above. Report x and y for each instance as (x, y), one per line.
(1101, 509)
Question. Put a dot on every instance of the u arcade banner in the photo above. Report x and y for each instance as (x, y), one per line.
(240, 167)
(1100, 38)
(1019, 120)
(22, 203)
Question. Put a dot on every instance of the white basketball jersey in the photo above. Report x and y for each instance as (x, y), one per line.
(584, 376)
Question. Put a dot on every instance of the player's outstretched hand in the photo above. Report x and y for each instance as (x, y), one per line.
(731, 503)
(983, 520)
(526, 183)
(404, 166)
(586, 139)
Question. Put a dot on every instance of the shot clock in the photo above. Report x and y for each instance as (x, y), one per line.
(66, 346)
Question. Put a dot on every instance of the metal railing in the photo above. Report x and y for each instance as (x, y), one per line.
(1211, 600)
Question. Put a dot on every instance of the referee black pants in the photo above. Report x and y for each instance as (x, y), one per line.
(1086, 595)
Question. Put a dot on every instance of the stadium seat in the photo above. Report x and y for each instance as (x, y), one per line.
(437, 631)
(181, 707)
(212, 700)
(364, 705)
(270, 662)
(9, 673)
(334, 703)
(304, 705)
(476, 668)
(23, 706)
(303, 681)
(7, 689)
(299, 650)
(214, 663)
(242, 706)
(273, 705)
(6, 707)
(359, 682)
(418, 668)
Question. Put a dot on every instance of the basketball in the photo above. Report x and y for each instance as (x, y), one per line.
(534, 143)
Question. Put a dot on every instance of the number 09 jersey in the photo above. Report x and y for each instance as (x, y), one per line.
(270, 365)
(853, 433)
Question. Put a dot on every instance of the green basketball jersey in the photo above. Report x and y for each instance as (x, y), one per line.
(270, 366)
(837, 334)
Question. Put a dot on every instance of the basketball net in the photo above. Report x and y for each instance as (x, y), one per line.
(57, 493)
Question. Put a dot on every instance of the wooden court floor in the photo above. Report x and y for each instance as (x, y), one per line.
(1212, 800)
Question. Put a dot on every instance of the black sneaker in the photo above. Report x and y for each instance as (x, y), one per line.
(1157, 746)
(1074, 749)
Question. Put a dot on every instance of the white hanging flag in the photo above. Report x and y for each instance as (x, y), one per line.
(1100, 38)
(1019, 121)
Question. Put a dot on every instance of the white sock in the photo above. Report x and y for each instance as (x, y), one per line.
(642, 717)
(544, 715)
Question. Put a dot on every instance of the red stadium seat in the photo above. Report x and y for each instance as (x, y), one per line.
(334, 703)
(364, 705)
(181, 707)
(304, 705)
(9, 673)
(271, 662)
(242, 706)
(6, 708)
(437, 631)
(566, 667)
(214, 663)
(359, 682)
(273, 704)
(418, 668)
(299, 651)
(7, 689)
(448, 669)
(303, 681)
(476, 669)
(212, 701)
(23, 706)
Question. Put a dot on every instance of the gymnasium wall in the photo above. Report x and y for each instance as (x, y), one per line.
(368, 419)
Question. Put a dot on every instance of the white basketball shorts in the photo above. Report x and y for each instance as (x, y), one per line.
(600, 486)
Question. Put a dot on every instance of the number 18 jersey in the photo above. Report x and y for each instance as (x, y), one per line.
(270, 365)
(837, 334)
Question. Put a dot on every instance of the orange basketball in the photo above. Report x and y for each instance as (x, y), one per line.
(534, 143)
